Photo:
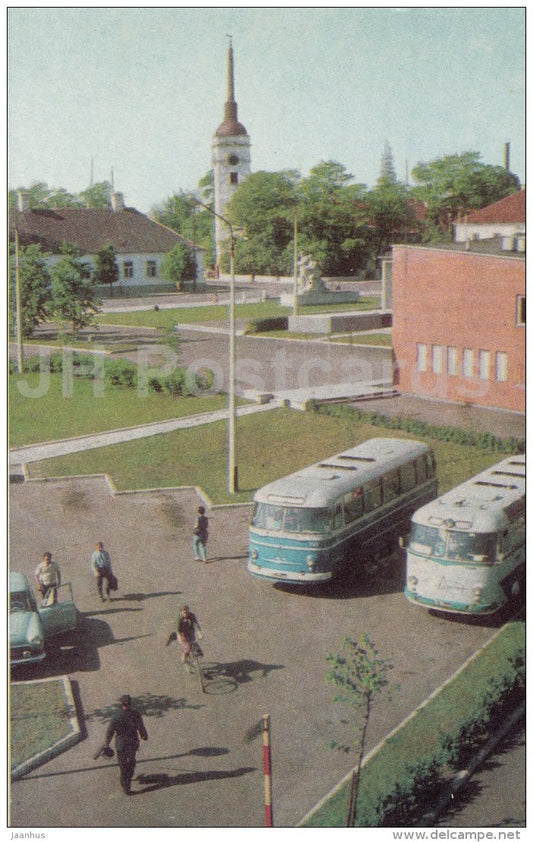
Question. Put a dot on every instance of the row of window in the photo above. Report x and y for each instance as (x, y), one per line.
(150, 269)
(447, 359)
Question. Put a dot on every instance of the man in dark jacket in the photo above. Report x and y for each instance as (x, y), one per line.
(126, 726)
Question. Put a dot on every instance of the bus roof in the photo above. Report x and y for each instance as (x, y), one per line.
(318, 485)
(484, 502)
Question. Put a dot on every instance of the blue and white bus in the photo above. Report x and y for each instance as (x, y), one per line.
(466, 550)
(341, 514)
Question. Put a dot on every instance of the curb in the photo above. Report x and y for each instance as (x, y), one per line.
(63, 744)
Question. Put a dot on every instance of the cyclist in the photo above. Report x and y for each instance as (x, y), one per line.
(186, 633)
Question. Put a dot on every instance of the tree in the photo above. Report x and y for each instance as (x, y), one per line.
(361, 676)
(73, 299)
(35, 290)
(460, 183)
(333, 219)
(263, 207)
(97, 196)
(106, 271)
(392, 214)
(39, 195)
(387, 172)
(176, 265)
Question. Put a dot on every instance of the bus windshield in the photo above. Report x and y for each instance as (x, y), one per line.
(452, 544)
(290, 518)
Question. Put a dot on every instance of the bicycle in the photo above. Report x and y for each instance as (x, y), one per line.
(193, 662)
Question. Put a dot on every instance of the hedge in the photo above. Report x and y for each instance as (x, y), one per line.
(416, 427)
(263, 325)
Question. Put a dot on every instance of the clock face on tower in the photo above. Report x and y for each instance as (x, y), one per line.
(233, 159)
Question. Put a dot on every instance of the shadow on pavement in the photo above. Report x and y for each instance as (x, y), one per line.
(162, 781)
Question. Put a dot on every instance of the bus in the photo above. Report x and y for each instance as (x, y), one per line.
(339, 515)
(466, 550)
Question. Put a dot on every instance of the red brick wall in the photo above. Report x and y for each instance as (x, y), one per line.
(463, 300)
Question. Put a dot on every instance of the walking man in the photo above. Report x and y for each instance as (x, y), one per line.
(126, 726)
(48, 577)
(200, 535)
(102, 571)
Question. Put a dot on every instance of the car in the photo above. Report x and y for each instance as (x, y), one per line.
(31, 627)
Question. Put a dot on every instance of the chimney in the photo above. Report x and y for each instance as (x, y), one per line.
(23, 200)
(117, 202)
(507, 156)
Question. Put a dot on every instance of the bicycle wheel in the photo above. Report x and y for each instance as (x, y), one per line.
(196, 654)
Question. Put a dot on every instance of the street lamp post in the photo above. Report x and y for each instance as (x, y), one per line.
(295, 267)
(18, 306)
(233, 472)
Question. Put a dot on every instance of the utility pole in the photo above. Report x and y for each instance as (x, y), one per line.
(18, 306)
(233, 472)
(295, 267)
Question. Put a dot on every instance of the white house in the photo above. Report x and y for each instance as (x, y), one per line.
(506, 219)
(140, 243)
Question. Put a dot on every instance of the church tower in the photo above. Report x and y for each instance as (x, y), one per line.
(231, 159)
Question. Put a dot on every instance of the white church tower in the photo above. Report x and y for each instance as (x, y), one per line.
(231, 160)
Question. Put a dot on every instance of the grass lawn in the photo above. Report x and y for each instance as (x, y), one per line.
(380, 339)
(53, 416)
(269, 445)
(166, 319)
(420, 736)
(40, 717)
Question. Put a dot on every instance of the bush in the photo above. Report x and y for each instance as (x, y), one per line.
(416, 427)
(262, 325)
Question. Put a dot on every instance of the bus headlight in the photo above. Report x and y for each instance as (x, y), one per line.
(412, 581)
(478, 590)
(310, 561)
(254, 555)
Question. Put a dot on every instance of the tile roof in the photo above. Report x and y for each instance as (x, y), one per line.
(510, 209)
(128, 230)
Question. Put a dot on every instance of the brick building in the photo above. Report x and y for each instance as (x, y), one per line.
(459, 321)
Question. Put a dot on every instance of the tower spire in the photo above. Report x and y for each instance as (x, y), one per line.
(231, 83)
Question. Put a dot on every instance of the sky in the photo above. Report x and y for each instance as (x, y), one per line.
(140, 91)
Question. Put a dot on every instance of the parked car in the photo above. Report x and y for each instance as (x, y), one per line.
(31, 626)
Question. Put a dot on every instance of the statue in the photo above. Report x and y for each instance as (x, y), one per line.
(309, 277)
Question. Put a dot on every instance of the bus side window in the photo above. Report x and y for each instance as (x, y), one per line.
(391, 486)
(421, 469)
(338, 516)
(353, 505)
(372, 495)
(408, 476)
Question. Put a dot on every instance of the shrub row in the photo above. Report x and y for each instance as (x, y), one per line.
(119, 373)
(262, 325)
(417, 789)
(416, 427)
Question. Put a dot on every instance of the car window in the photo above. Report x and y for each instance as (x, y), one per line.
(19, 601)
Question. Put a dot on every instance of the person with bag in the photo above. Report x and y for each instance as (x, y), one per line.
(102, 571)
(200, 534)
(126, 726)
(185, 632)
(48, 577)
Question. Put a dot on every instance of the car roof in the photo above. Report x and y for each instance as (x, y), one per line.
(18, 582)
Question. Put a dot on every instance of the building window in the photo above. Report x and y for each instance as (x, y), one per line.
(128, 268)
(421, 356)
(436, 359)
(521, 310)
(151, 269)
(468, 362)
(453, 360)
(234, 178)
(501, 366)
(484, 365)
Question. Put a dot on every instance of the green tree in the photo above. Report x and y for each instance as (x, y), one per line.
(333, 219)
(73, 299)
(360, 673)
(460, 183)
(35, 289)
(263, 208)
(387, 171)
(176, 266)
(106, 270)
(40, 195)
(392, 215)
(97, 196)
